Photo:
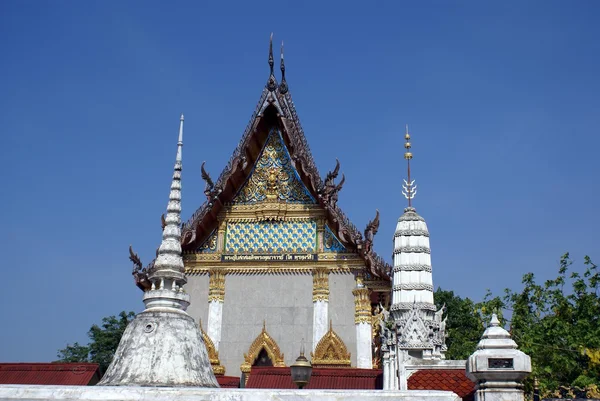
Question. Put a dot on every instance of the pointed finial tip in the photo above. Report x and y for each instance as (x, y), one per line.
(494, 321)
(181, 117)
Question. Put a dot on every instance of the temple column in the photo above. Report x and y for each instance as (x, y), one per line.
(362, 320)
(320, 304)
(216, 297)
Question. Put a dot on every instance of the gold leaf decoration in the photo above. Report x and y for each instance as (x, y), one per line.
(331, 351)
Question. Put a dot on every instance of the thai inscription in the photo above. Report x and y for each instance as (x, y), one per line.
(285, 257)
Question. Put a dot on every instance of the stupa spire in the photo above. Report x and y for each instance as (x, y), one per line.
(409, 187)
(162, 346)
(169, 263)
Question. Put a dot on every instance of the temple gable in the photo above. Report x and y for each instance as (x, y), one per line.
(274, 177)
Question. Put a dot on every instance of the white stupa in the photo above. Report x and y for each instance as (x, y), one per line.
(162, 346)
(420, 331)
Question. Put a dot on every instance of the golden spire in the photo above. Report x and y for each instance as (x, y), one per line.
(409, 187)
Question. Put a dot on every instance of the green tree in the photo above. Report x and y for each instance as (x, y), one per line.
(466, 321)
(558, 324)
(104, 341)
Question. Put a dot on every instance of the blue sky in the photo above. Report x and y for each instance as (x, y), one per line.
(502, 100)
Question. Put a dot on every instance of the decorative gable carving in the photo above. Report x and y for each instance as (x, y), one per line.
(331, 351)
(274, 177)
(266, 342)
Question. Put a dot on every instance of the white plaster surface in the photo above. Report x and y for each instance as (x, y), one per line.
(93, 393)
(320, 321)
(364, 358)
(215, 320)
(197, 287)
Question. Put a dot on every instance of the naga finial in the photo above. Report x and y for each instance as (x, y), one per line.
(409, 187)
(209, 182)
(135, 259)
(283, 88)
(271, 83)
(163, 223)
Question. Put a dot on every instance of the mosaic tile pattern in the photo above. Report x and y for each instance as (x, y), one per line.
(273, 174)
(272, 237)
(210, 245)
(331, 243)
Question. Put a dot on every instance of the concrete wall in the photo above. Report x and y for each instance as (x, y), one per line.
(197, 287)
(341, 309)
(284, 301)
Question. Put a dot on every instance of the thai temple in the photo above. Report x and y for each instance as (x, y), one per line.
(272, 264)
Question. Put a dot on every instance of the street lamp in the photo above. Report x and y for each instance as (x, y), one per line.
(301, 369)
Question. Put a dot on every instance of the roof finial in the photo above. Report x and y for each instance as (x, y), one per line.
(410, 189)
(283, 88)
(271, 83)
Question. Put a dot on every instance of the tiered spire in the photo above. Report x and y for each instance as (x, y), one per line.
(169, 263)
(410, 189)
(162, 345)
(420, 327)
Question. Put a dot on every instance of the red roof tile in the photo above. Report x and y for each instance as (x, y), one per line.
(321, 378)
(443, 379)
(68, 374)
(228, 381)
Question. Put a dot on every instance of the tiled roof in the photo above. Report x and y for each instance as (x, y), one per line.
(443, 379)
(228, 381)
(68, 374)
(321, 378)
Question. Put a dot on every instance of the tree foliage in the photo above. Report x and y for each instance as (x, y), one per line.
(104, 341)
(558, 324)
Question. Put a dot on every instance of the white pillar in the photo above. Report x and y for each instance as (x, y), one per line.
(362, 320)
(320, 318)
(215, 319)
(386, 370)
(216, 297)
(320, 304)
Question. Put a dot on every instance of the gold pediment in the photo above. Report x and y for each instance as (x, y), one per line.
(266, 342)
(331, 351)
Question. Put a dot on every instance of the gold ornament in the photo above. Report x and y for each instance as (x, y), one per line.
(213, 354)
(331, 351)
(321, 284)
(216, 285)
(266, 342)
(362, 305)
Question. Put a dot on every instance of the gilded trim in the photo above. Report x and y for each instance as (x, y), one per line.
(331, 351)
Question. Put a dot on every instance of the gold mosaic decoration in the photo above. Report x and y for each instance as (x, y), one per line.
(213, 354)
(266, 342)
(331, 351)
(274, 177)
(272, 237)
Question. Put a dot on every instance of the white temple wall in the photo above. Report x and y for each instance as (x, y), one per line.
(284, 301)
(197, 287)
(341, 309)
